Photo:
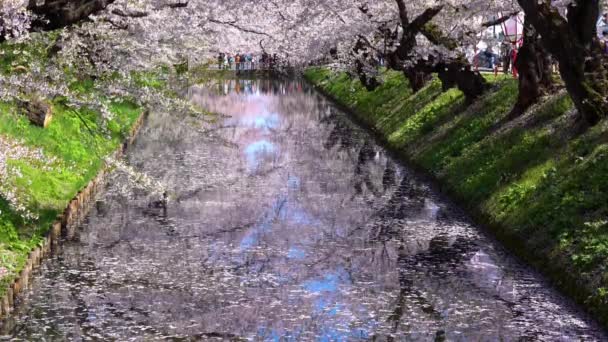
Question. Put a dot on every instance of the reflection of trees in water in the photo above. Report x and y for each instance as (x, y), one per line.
(346, 138)
(340, 133)
(400, 267)
(363, 175)
(439, 262)
(267, 86)
(389, 178)
(385, 226)
(441, 258)
(406, 201)
(384, 232)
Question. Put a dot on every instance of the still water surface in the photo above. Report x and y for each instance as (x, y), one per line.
(286, 222)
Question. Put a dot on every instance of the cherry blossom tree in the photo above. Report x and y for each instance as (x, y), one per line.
(568, 32)
(419, 38)
(15, 19)
(428, 37)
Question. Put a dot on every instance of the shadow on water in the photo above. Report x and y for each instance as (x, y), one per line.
(284, 222)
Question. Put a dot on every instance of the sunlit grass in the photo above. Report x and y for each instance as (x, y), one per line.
(541, 183)
(21, 55)
(74, 146)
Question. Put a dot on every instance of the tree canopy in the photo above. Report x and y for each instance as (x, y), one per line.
(420, 38)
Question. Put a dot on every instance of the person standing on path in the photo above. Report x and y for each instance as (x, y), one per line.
(505, 51)
(514, 60)
(220, 60)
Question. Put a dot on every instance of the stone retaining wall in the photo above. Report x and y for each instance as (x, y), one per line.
(65, 226)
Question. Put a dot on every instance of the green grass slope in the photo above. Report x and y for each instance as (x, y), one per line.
(46, 168)
(73, 149)
(540, 188)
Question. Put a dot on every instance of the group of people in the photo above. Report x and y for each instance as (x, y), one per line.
(509, 50)
(506, 58)
(241, 61)
(245, 61)
(263, 86)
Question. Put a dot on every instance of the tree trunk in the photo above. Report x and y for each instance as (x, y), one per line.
(573, 42)
(455, 72)
(60, 13)
(362, 58)
(534, 67)
(39, 112)
(587, 92)
(369, 82)
(458, 73)
(54, 14)
(417, 78)
(416, 75)
(333, 52)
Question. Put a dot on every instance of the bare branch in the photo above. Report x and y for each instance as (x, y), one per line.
(238, 27)
(499, 20)
(140, 14)
(129, 14)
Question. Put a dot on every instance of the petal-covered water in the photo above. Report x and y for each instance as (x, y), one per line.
(285, 222)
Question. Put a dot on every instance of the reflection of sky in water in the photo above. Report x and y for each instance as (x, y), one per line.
(337, 325)
(280, 211)
(284, 211)
(329, 283)
(258, 150)
(253, 236)
(296, 253)
(325, 289)
(293, 183)
(263, 121)
(300, 217)
(327, 303)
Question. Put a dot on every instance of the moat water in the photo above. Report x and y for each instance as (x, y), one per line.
(285, 222)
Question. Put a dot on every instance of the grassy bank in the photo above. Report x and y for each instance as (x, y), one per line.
(42, 169)
(541, 189)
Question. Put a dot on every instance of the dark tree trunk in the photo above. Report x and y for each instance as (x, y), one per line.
(38, 111)
(455, 72)
(534, 67)
(54, 14)
(573, 42)
(362, 58)
(417, 78)
(417, 75)
(420, 74)
(458, 73)
(60, 13)
(333, 52)
(369, 82)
